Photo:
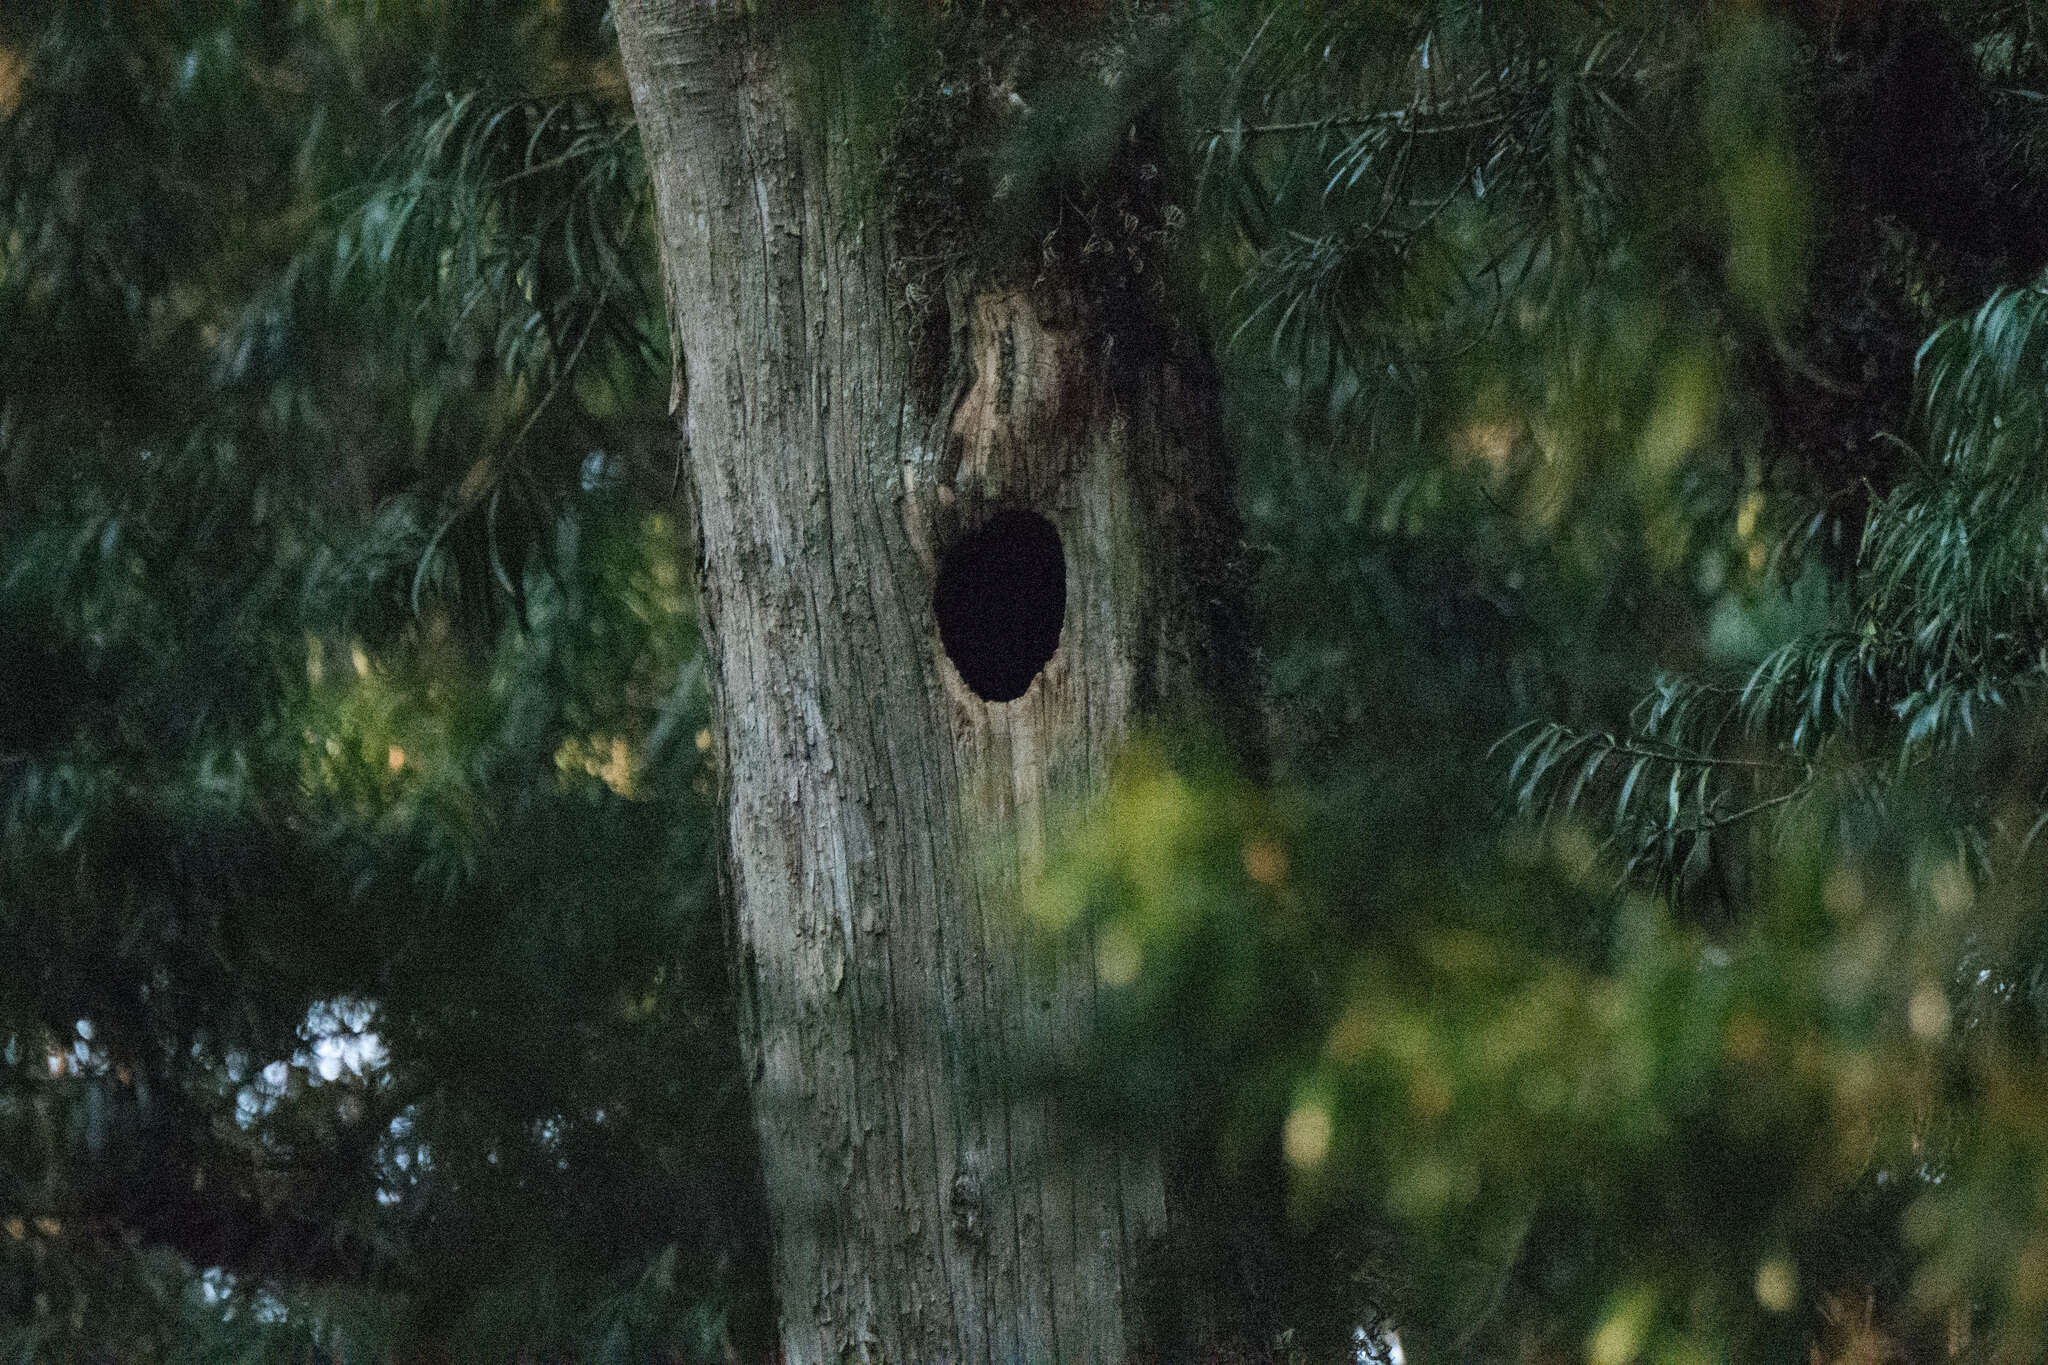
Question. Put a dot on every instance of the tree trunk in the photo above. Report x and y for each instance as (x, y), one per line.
(926, 1202)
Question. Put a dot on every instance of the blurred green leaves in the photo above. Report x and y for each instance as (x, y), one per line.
(1568, 356)
(348, 670)
(1702, 1143)
(1749, 127)
(1203, 950)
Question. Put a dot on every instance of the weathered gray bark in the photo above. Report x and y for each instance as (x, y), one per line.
(881, 814)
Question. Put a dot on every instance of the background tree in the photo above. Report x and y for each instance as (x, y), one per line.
(962, 523)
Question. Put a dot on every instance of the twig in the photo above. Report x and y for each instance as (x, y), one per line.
(1408, 120)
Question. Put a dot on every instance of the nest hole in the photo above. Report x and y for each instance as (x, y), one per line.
(1001, 601)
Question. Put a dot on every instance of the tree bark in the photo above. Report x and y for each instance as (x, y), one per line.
(927, 1204)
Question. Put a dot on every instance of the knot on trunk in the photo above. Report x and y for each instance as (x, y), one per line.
(967, 1206)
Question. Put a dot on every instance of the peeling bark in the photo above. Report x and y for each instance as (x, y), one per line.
(926, 1204)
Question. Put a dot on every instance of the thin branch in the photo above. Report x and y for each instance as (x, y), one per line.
(1407, 121)
(484, 473)
(574, 152)
(1634, 749)
(1714, 822)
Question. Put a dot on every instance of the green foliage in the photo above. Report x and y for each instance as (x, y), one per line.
(1637, 957)
(354, 836)
(1933, 651)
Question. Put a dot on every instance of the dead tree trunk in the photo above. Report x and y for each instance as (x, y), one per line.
(884, 563)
